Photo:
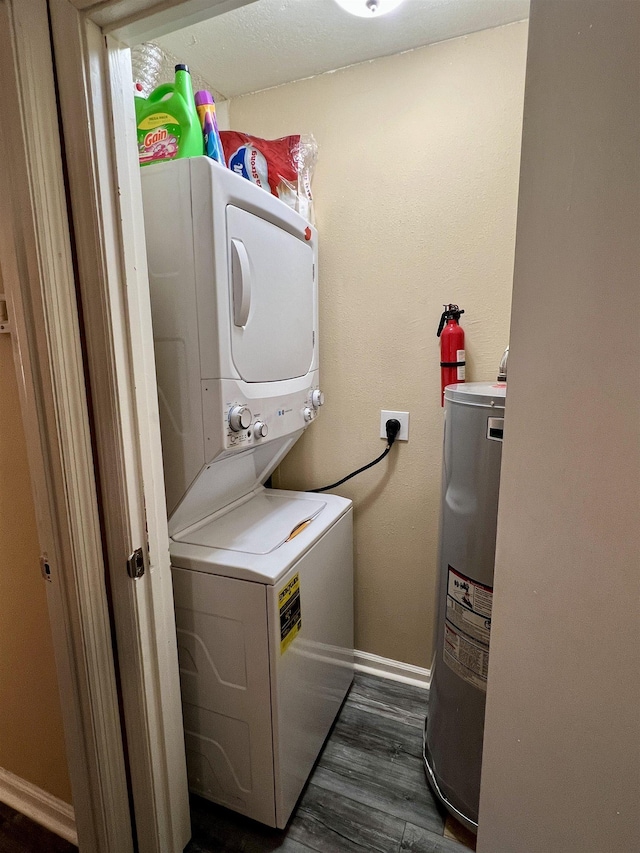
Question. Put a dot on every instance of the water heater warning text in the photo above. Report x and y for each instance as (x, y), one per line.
(467, 628)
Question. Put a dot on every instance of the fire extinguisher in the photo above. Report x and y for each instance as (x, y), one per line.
(452, 357)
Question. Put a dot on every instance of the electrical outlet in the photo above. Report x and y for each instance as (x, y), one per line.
(403, 417)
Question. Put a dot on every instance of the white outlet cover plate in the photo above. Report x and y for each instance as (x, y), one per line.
(403, 417)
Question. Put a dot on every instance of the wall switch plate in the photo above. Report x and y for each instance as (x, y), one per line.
(403, 417)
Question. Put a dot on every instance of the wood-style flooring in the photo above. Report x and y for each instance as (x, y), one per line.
(18, 834)
(367, 792)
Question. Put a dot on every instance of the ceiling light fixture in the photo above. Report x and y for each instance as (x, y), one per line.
(369, 8)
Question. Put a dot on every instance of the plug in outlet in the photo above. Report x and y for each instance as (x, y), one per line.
(403, 417)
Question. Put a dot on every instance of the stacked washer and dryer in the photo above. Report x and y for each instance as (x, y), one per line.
(263, 579)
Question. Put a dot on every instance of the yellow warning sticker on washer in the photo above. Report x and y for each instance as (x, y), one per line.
(290, 612)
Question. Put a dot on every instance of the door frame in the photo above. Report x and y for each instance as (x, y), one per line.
(38, 277)
(111, 272)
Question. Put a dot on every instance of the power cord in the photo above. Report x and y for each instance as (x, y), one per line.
(392, 427)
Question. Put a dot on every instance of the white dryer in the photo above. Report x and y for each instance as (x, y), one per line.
(263, 579)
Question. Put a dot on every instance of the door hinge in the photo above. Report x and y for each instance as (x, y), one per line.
(45, 568)
(135, 564)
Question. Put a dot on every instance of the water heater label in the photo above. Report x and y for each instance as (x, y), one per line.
(470, 661)
(467, 628)
(290, 612)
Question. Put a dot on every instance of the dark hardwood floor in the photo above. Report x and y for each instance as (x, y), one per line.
(367, 794)
(368, 791)
(18, 834)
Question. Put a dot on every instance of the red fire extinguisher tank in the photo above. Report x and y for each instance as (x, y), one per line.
(452, 355)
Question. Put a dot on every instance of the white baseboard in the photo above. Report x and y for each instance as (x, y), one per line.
(392, 669)
(41, 807)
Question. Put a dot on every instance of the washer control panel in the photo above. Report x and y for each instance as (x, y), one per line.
(315, 399)
(260, 430)
(249, 422)
(240, 418)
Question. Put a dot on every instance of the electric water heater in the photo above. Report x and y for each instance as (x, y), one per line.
(454, 728)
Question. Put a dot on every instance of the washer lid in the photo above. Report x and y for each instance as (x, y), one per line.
(477, 393)
(268, 567)
(259, 526)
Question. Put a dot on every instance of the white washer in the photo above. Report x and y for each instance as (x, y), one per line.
(263, 579)
(265, 639)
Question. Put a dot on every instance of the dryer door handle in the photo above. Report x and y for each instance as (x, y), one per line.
(241, 278)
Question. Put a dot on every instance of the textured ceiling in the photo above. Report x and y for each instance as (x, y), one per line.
(270, 42)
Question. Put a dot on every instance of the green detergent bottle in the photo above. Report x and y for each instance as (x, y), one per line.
(168, 124)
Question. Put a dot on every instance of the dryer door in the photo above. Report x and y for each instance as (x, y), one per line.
(271, 277)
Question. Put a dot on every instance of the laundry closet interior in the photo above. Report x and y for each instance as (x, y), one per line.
(414, 119)
(415, 122)
(283, 331)
(278, 344)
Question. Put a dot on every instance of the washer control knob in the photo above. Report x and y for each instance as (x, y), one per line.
(308, 413)
(260, 430)
(239, 418)
(317, 399)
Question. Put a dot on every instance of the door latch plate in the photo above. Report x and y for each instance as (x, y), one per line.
(45, 568)
(135, 564)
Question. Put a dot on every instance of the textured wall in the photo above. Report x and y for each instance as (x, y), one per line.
(415, 189)
(31, 738)
(561, 770)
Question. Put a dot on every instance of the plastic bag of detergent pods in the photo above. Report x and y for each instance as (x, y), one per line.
(283, 167)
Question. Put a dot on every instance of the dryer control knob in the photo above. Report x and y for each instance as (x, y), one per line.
(239, 418)
(308, 414)
(317, 399)
(260, 430)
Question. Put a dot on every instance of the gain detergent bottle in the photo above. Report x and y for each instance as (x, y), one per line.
(168, 124)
